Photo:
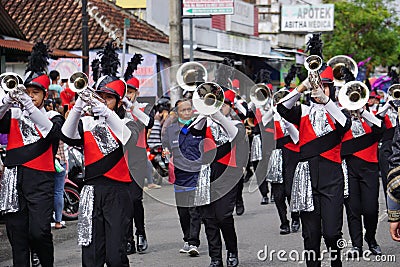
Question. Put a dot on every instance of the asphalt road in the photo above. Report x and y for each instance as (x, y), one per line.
(257, 230)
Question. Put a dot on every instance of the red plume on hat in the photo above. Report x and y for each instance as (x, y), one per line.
(109, 82)
(37, 65)
(131, 81)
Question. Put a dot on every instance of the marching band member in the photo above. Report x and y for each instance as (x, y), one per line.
(389, 115)
(105, 208)
(393, 189)
(143, 115)
(360, 153)
(319, 173)
(282, 165)
(184, 151)
(27, 185)
(225, 143)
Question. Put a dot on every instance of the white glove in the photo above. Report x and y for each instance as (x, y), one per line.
(7, 100)
(127, 103)
(101, 110)
(136, 111)
(26, 101)
(79, 105)
(307, 84)
(226, 123)
(318, 93)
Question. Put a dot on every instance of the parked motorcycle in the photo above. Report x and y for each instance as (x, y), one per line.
(159, 164)
(73, 183)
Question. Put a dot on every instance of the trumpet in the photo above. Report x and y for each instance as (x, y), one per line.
(9, 82)
(79, 83)
(313, 64)
(189, 74)
(394, 91)
(208, 98)
(353, 95)
(337, 63)
(260, 94)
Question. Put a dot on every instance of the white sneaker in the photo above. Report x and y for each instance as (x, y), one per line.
(185, 248)
(193, 252)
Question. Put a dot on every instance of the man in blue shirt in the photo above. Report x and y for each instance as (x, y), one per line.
(186, 158)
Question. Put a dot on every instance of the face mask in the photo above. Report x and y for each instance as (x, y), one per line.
(184, 122)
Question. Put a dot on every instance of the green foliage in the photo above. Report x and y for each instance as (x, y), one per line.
(364, 28)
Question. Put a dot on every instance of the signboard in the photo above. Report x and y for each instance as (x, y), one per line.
(243, 20)
(207, 7)
(307, 18)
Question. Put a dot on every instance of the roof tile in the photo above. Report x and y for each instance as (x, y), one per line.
(58, 23)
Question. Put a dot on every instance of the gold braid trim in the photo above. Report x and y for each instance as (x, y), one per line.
(393, 215)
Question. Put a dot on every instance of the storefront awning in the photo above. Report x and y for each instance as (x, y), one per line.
(162, 49)
(25, 46)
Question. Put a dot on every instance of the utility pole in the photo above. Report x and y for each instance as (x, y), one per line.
(175, 46)
(85, 40)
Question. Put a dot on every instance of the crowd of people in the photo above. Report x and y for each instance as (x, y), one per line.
(315, 160)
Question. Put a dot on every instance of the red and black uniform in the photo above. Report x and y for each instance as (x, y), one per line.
(106, 169)
(360, 151)
(226, 166)
(320, 139)
(385, 149)
(30, 156)
(138, 166)
(290, 158)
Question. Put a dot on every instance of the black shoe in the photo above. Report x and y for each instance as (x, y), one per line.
(295, 226)
(232, 260)
(354, 253)
(284, 229)
(130, 248)
(141, 243)
(374, 247)
(239, 208)
(216, 263)
(35, 259)
(264, 201)
(272, 199)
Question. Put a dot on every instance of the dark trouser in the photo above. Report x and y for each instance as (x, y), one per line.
(283, 191)
(327, 217)
(189, 217)
(362, 200)
(30, 226)
(218, 218)
(239, 194)
(280, 197)
(136, 192)
(111, 212)
(385, 151)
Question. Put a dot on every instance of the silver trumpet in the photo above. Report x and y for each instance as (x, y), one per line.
(313, 64)
(9, 83)
(394, 91)
(353, 95)
(208, 98)
(79, 83)
(260, 94)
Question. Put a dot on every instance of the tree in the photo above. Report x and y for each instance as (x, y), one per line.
(364, 28)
